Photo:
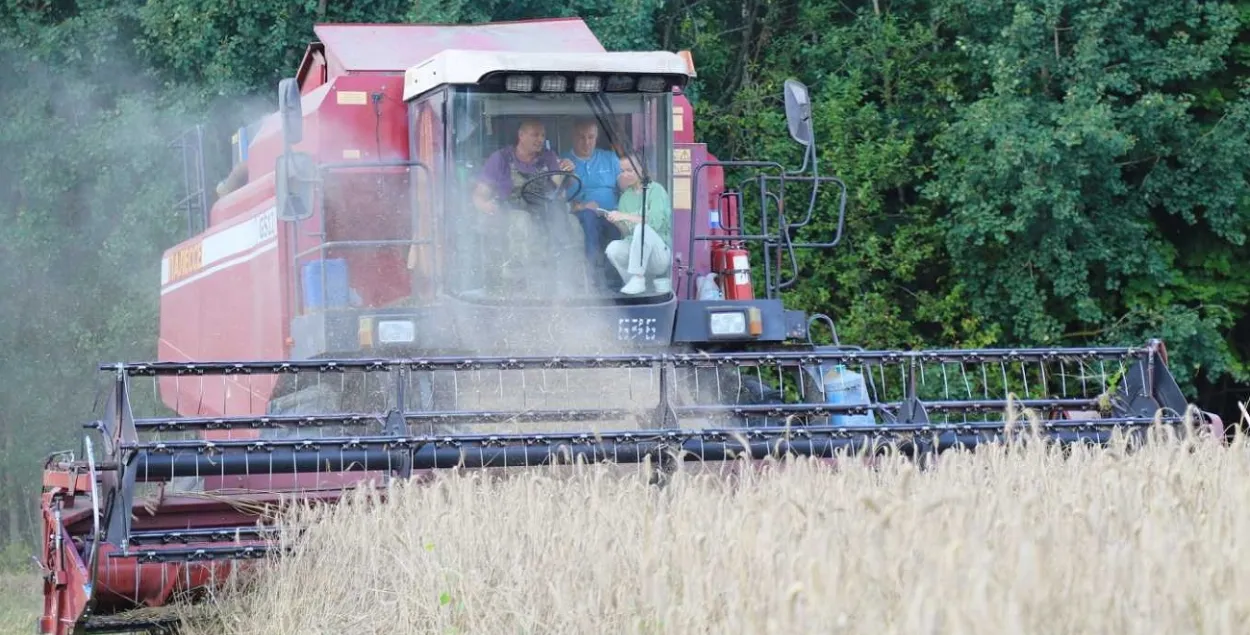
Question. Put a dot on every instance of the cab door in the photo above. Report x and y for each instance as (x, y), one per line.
(426, 123)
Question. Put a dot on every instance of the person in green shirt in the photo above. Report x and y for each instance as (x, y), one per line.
(643, 250)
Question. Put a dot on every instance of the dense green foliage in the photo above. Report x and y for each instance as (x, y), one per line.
(1035, 171)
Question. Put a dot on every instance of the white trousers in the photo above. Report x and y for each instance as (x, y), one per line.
(636, 255)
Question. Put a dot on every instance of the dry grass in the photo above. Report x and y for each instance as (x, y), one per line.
(19, 603)
(1005, 542)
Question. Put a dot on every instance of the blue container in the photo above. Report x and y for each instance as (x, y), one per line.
(335, 293)
(844, 386)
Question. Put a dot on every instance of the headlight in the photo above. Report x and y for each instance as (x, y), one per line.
(519, 83)
(553, 83)
(727, 323)
(651, 84)
(620, 82)
(396, 331)
(587, 83)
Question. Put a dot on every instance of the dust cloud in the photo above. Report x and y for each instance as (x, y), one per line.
(88, 202)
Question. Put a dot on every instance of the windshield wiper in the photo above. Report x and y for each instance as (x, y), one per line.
(603, 111)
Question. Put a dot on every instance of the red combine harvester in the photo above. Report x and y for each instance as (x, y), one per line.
(435, 248)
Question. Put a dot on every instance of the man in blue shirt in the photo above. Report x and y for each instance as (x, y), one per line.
(598, 169)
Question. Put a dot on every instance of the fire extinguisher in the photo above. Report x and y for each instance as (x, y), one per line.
(730, 260)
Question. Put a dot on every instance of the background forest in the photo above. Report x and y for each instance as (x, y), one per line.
(1043, 172)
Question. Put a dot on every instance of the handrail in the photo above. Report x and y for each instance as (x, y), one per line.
(694, 188)
(767, 237)
(352, 244)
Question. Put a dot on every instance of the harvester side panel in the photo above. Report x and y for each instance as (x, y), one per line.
(231, 292)
(683, 118)
(222, 298)
(313, 69)
(688, 155)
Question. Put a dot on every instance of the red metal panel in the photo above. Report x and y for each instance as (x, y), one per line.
(371, 205)
(254, 193)
(683, 119)
(224, 301)
(340, 124)
(313, 68)
(351, 127)
(267, 143)
(66, 583)
(395, 47)
(687, 157)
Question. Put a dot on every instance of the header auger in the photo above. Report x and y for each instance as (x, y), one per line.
(419, 314)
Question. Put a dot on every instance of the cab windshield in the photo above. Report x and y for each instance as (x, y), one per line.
(546, 194)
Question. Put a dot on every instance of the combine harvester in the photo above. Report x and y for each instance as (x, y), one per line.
(416, 324)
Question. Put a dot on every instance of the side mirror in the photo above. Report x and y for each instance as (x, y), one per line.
(295, 183)
(799, 112)
(291, 111)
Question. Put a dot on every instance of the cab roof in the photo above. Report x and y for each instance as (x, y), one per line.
(365, 48)
(457, 66)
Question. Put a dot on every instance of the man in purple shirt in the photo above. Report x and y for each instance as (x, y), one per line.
(508, 168)
(530, 233)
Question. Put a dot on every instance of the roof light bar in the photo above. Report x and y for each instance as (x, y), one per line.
(552, 83)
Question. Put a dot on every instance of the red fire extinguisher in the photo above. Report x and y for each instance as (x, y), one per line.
(730, 260)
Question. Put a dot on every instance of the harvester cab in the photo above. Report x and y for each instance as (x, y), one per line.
(499, 246)
(540, 189)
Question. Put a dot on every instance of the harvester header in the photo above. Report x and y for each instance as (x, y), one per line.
(500, 246)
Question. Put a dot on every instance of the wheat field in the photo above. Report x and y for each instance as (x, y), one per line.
(1015, 540)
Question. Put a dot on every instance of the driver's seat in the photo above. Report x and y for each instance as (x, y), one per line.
(568, 236)
(544, 254)
(546, 200)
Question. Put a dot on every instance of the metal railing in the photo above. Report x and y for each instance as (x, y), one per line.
(768, 239)
(323, 247)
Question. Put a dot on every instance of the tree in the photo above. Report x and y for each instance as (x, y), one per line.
(1090, 195)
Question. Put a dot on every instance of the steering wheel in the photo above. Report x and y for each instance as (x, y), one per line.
(534, 192)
